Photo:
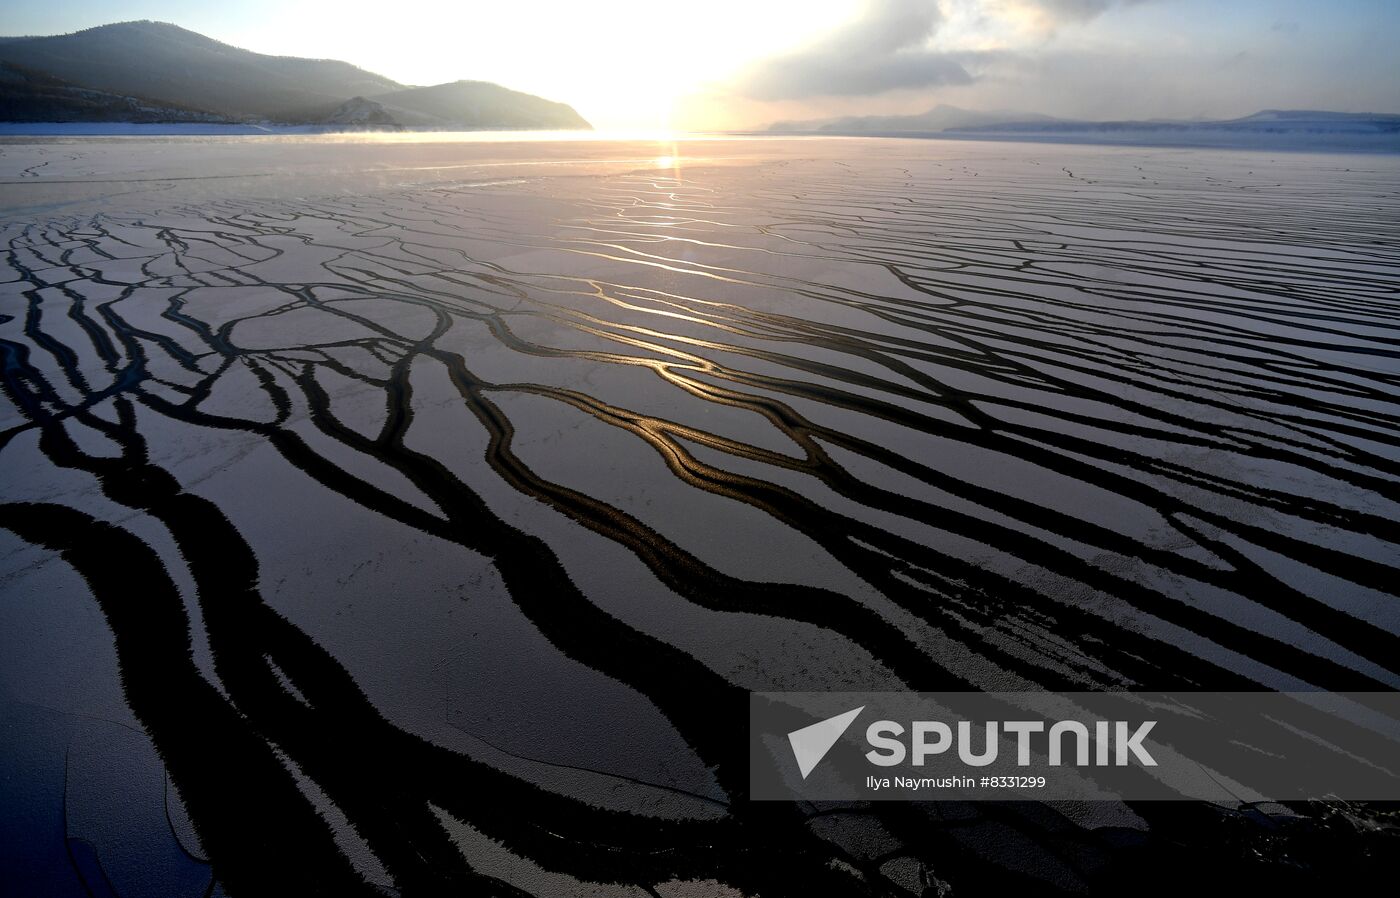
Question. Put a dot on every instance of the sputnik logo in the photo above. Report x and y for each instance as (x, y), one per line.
(811, 743)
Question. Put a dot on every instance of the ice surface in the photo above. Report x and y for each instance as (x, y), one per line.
(475, 481)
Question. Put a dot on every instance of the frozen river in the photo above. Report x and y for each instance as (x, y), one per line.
(434, 504)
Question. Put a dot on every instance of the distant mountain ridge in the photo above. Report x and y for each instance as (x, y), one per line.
(939, 118)
(1296, 128)
(1267, 121)
(159, 65)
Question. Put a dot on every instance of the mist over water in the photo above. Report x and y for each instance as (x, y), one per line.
(456, 493)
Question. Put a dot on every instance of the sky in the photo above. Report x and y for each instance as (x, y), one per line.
(646, 65)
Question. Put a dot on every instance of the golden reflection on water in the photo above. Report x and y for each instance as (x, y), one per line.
(671, 160)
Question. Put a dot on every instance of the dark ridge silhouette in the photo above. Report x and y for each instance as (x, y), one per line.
(158, 60)
(180, 70)
(477, 104)
(28, 96)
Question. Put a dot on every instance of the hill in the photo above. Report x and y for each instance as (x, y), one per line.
(158, 66)
(476, 104)
(169, 63)
(27, 96)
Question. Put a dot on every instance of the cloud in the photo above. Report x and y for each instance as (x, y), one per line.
(1077, 10)
(1063, 12)
(886, 49)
